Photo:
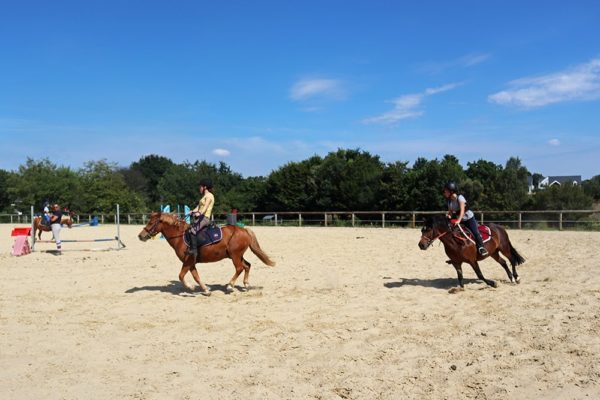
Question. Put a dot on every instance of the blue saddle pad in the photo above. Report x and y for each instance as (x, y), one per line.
(210, 235)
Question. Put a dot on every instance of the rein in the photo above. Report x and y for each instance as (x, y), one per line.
(153, 232)
(429, 241)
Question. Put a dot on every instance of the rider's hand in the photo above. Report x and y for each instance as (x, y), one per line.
(454, 221)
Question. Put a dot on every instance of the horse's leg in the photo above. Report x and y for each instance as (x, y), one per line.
(477, 270)
(185, 268)
(247, 266)
(506, 253)
(500, 260)
(239, 267)
(205, 290)
(459, 273)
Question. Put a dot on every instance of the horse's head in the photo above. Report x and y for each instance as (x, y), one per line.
(433, 228)
(152, 228)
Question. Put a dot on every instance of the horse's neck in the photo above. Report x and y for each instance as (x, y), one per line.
(172, 232)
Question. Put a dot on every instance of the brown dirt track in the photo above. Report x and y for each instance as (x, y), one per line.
(347, 313)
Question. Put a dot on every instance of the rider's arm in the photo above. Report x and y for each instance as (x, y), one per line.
(461, 214)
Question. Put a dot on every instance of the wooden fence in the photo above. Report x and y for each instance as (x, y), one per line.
(547, 219)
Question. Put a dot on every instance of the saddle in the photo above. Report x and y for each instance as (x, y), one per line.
(207, 236)
(465, 234)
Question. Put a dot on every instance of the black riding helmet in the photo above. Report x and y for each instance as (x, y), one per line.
(206, 182)
(451, 187)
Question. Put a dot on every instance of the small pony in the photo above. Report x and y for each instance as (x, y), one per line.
(233, 245)
(39, 227)
(460, 250)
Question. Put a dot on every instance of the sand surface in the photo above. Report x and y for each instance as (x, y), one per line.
(346, 313)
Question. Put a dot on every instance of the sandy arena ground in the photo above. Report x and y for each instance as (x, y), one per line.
(346, 313)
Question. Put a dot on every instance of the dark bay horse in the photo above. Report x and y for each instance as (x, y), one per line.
(39, 227)
(233, 245)
(460, 250)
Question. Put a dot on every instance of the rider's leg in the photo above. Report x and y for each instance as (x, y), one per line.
(471, 223)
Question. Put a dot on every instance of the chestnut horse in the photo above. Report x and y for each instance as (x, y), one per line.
(235, 242)
(460, 250)
(39, 227)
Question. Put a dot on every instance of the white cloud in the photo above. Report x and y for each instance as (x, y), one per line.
(554, 142)
(581, 82)
(221, 152)
(406, 106)
(466, 61)
(310, 88)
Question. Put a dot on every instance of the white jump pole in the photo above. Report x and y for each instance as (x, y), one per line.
(32, 231)
(118, 228)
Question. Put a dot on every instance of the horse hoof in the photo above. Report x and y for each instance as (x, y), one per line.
(517, 280)
(229, 288)
(206, 293)
(245, 288)
(456, 290)
(493, 284)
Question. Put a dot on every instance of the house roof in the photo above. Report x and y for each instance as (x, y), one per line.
(564, 179)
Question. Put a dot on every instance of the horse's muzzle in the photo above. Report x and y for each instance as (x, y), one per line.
(144, 236)
(424, 244)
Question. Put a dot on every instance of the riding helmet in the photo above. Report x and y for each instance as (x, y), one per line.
(206, 182)
(451, 187)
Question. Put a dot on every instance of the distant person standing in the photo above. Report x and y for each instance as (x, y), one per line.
(55, 225)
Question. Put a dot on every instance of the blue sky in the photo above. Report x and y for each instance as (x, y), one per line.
(257, 84)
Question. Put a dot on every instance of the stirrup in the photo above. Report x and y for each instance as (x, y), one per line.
(190, 252)
(483, 251)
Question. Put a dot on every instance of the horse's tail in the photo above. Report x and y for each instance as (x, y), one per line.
(515, 257)
(255, 247)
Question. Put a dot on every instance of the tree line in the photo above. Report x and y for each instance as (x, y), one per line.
(343, 180)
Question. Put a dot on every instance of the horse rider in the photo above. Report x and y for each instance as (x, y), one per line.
(202, 213)
(46, 217)
(55, 225)
(457, 205)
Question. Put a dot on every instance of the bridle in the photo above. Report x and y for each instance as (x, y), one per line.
(152, 231)
(430, 241)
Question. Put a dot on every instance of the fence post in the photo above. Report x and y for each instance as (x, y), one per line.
(128, 219)
(383, 220)
(275, 219)
(481, 220)
(299, 219)
(414, 220)
(560, 220)
(253, 219)
(520, 221)
(353, 220)
(325, 215)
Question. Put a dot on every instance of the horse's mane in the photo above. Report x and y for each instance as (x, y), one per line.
(173, 219)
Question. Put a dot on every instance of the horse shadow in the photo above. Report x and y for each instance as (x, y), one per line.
(439, 283)
(176, 288)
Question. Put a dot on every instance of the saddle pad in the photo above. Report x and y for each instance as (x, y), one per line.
(211, 234)
(484, 231)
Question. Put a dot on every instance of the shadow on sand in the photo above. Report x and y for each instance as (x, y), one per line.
(176, 288)
(441, 283)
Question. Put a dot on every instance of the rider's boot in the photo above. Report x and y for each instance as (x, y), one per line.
(480, 246)
(193, 249)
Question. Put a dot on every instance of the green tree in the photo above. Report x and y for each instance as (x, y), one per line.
(4, 196)
(562, 197)
(394, 191)
(39, 181)
(292, 187)
(591, 187)
(483, 177)
(151, 168)
(349, 180)
(103, 187)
